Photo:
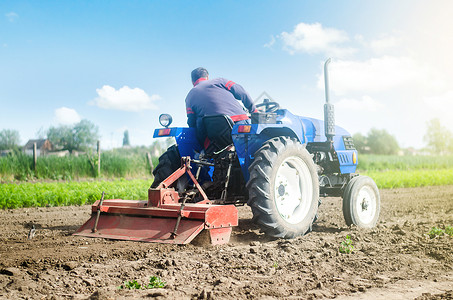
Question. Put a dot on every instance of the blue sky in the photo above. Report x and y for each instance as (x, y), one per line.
(120, 64)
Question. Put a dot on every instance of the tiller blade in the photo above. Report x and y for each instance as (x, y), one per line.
(161, 219)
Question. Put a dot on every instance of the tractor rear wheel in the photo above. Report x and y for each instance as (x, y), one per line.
(169, 162)
(361, 202)
(283, 188)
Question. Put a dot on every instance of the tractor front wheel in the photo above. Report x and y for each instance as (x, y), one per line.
(361, 202)
(283, 188)
(169, 162)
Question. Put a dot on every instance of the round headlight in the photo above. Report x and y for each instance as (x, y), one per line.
(165, 120)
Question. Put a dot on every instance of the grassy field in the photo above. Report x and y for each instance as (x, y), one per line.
(387, 171)
(407, 171)
(114, 164)
(14, 195)
(411, 178)
(405, 163)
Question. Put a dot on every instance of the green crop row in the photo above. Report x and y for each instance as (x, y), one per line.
(70, 193)
(113, 165)
(79, 193)
(414, 178)
(395, 162)
(132, 163)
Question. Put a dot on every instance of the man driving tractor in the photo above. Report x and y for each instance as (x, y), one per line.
(215, 97)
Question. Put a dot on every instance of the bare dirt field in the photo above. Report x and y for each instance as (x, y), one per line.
(395, 260)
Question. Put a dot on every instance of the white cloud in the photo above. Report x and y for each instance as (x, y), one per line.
(399, 79)
(313, 39)
(271, 43)
(373, 75)
(11, 16)
(440, 106)
(444, 101)
(125, 99)
(66, 116)
(385, 44)
(365, 104)
(391, 44)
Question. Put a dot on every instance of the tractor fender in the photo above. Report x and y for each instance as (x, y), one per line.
(247, 143)
(269, 131)
(185, 138)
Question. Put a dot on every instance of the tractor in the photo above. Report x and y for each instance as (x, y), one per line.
(280, 165)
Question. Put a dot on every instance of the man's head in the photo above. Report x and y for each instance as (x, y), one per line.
(199, 73)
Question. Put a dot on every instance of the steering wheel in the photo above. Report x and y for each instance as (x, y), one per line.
(269, 107)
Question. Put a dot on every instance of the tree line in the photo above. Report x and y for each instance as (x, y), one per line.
(83, 136)
(438, 139)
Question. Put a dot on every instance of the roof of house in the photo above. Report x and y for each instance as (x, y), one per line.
(39, 143)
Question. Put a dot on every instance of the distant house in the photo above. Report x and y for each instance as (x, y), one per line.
(61, 153)
(5, 152)
(43, 146)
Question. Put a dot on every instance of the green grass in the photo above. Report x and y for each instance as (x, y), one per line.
(411, 178)
(70, 193)
(114, 164)
(154, 282)
(387, 172)
(14, 195)
(435, 232)
(392, 171)
(131, 285)
(346, 246)
(449, 230)
(439, 232)
(405, 163)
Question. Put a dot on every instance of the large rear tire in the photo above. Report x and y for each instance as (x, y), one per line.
(283, 188)
(169, 162)
(361, 202)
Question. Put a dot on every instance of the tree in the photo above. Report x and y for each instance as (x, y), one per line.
(80, 137)
(382, 142)
(450, 146)
(438, 137)
(126, 141)
(61, 137)
(86, 135)
(9, 139)
(360, 142)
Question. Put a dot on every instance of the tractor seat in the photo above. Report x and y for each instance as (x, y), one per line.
(216, 133)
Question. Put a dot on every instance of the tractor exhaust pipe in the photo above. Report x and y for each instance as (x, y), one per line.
(329, 113)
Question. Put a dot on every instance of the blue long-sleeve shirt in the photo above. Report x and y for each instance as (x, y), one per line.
(217, 97)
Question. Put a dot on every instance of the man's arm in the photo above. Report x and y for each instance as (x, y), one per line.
(191, 117)
(240, 93)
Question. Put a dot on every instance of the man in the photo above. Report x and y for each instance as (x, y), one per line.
(216, 97)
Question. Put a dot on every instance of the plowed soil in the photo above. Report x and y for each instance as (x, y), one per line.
(395, 260)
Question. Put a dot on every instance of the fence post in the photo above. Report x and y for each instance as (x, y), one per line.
(150, 162)
(35, 156)
(99, 157)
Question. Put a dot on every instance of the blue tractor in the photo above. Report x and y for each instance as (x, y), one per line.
(280, 165)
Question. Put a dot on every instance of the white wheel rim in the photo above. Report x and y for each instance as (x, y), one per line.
(365, 204)
(293, 190)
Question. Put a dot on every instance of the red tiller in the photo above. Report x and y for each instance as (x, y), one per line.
(164, 218)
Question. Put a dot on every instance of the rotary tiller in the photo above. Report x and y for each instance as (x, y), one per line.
(164, 218)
